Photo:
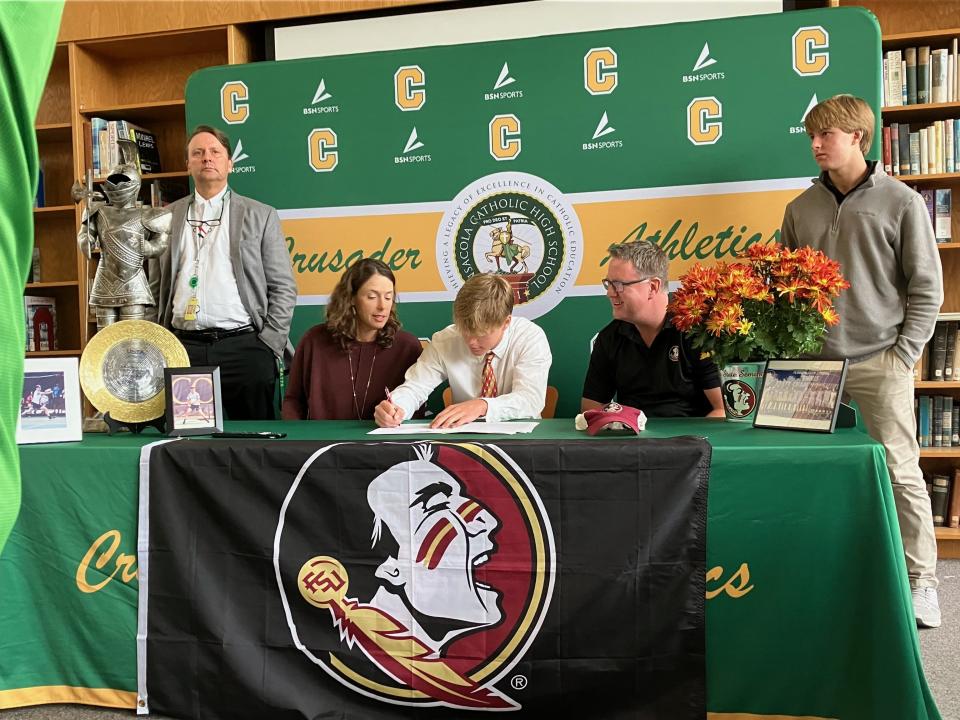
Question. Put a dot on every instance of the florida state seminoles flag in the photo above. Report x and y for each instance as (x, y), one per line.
(424, 579)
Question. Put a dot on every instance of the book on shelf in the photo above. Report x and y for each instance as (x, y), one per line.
(924, 421)
(938, 498)
(910, 58)
(955, 425)
(40, 200)
(938, 75)
(40, 314)
(887, 153)
(938, 351)
(98, 126)
(923, 74)
(951, 351)
(942, 214)
(147, 149)
(893, 89)
(953, 506)
(946, 422)
(936, 422)
(34, 275)
(895, 148)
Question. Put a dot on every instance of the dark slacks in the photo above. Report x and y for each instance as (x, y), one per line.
(248, 373)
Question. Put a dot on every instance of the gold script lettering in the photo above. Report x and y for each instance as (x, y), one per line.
(125, 564)
(736, 586)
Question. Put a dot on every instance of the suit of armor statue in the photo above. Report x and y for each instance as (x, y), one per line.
(125, 235)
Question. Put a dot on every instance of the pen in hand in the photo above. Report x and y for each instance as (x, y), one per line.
(390, 400)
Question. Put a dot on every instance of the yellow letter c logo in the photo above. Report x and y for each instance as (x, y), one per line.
(321, 148)
(704, 120)
(811, 50)
(600, 71)
(505, 137)
(232, 109)
(409, 88)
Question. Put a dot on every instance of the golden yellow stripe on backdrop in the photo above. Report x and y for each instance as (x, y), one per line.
(703, 228)
(320, 248)
(50, 694)
(750, 716)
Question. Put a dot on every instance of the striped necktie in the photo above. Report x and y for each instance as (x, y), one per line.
(488, 382)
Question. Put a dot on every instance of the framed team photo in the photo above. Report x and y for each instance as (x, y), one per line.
(50, 407)
(193, 403)
(801, 395)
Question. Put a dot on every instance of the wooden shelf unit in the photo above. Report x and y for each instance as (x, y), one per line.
(903, 24)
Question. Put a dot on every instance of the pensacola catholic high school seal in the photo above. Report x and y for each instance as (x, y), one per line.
(517, 225)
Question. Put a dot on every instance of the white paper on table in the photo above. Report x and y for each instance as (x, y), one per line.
(485, 428)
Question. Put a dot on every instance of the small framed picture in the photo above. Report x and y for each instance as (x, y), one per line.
(801, 394)
(50, 408)
(194, 404)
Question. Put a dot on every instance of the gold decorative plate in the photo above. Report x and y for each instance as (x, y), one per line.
(121, 369)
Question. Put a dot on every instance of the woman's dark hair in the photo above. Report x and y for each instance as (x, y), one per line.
(341, 313)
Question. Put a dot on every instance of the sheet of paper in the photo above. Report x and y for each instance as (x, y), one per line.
(485, 428)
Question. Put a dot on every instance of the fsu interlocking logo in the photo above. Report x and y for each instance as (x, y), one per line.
(517, 225)
(419, 574)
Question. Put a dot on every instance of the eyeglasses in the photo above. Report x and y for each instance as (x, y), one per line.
(193, 222)
(619, 285)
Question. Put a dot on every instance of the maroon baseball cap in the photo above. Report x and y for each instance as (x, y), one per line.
(630, 417)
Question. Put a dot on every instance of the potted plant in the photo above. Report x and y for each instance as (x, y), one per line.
(776, 303)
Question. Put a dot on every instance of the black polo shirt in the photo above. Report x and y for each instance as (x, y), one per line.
(664, 380)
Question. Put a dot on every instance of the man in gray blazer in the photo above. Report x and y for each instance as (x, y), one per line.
(225, 286)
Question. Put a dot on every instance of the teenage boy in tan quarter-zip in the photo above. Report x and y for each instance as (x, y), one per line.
(880, 232)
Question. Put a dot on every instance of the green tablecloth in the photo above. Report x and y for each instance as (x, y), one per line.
(808, 610)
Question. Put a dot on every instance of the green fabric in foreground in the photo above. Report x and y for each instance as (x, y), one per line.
(822, 626)
(28, 31)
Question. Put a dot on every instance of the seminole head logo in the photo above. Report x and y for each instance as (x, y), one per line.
(415, 574)
(517, 225)
(739, 398)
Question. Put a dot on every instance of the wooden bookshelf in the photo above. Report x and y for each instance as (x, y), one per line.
(904, 24)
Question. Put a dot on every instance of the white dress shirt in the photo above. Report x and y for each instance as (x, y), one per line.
(521, 364)
(220, 305)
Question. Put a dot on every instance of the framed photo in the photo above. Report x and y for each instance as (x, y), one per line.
(801, 394)
(50, 408)
(194, 404)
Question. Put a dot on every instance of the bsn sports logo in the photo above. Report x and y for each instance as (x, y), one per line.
(704, 60)
(604, 128)
(239, 155)
(504, 79)
(437, 586)
(517, 225)
(319, 105)
(409, 156)
(801, 129)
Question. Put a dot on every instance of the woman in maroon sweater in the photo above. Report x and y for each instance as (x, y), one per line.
(342, 367)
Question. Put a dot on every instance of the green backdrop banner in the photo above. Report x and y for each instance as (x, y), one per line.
(529, 157)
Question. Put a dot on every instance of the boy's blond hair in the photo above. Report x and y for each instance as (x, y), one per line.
(483, 304)
(847, 112)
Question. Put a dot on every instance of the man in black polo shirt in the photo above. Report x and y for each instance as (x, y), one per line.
(640, 357)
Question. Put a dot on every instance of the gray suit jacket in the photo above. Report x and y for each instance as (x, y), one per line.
(260, 262)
